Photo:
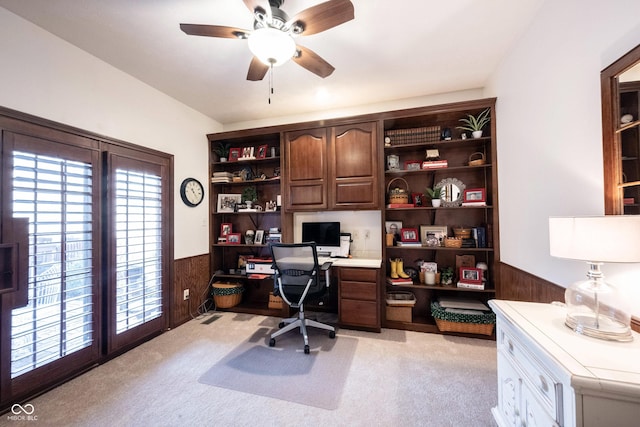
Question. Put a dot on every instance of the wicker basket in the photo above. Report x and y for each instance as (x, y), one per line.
(453, 242)
(481, 324)
(462, 232)
(397, 194)
(227, 295)
(275, 302)
(476, 159)
(467, 328)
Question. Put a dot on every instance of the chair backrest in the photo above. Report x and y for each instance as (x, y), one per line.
(296, 270)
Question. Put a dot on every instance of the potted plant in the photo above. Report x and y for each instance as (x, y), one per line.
(249, 195)
(222, 150)
(474, 124)
(435, 194)
(446, 276)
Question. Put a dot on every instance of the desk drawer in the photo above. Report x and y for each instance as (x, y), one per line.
(539, 382)
(359, 274)
(359, 313)
(358, 290)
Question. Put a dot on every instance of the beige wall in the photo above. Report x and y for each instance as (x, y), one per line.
(47, 77)
(550, 134)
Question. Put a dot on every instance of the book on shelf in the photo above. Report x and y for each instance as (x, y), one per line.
(399, 281)
(435, 164)
(467, 285)
(399, 205)
(222, 173)
(409, 244)
(474, 203)
(480, 235)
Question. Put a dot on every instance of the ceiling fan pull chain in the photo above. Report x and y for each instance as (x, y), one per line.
(270, 82)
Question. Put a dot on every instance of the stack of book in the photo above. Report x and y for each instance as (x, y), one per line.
(435, 164)
(469, 285)
(399, 205)
(408, 244)
(222, 177)
(274, 236)
(399, 281)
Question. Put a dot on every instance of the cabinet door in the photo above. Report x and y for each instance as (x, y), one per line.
(305, 174)
(353, 171)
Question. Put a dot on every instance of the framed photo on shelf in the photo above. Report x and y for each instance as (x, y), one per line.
(234, 154)
(433, 235)
(259, 239)
(234, 238)
(228, 202)
(412, 165)
(470, 275)
(262, 152)
(409, 235)
(416, 199)
(225, 229)
(474, 195)
(393, 227)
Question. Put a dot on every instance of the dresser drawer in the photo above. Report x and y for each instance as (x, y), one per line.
(537, 380)
(359, 274)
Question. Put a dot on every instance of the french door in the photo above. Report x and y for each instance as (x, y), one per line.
(85, 254)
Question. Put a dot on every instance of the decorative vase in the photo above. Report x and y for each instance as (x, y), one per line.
(223, 159)
(476, 134)
(435, 203)
(249, 204)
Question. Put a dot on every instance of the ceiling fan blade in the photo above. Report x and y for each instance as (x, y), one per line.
(257, 70)
(215, 31)
(313, 62)
(323, 16)
(252, 5)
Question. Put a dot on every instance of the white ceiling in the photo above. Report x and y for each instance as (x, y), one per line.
(393, 49)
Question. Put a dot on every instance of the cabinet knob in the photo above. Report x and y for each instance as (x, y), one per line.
(510, 345)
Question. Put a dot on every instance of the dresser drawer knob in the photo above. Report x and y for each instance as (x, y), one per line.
(510, 345)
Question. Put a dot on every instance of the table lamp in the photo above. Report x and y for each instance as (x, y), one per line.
(594, 307)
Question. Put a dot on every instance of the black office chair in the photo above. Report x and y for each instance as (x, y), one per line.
(297, 279)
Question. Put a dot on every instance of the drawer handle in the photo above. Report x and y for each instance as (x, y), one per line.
(510, 347)
(543, 384)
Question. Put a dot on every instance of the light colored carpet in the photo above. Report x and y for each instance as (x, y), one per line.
(396, 378)
(284, 371)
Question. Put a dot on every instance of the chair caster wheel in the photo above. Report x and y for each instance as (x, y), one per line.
(272, 342)
(306, 349)
(281, 325)
(332, 334)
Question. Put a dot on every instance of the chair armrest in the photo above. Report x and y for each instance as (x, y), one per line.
(326, 266)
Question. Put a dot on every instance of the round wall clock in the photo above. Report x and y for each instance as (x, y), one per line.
(192, 192)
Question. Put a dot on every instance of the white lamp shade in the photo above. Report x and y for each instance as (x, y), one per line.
(611, 238)
(272, 46)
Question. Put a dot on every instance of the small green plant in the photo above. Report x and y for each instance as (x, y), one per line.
(446, 275)
(249, 194)
(475, 123)
(222, 149)
(434, 192)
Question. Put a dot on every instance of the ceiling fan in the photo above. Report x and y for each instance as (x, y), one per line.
(272, 39)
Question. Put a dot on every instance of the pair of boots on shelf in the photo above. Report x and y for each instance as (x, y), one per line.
(397, 269)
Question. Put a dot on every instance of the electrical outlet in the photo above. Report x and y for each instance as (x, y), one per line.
(367, 233)
(185, 294)
(356, 235)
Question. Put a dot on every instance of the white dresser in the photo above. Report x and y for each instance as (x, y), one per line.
(549, 375)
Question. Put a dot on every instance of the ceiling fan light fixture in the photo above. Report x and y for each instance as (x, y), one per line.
(271, 46)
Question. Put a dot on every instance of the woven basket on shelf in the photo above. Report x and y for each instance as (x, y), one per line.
(466, 323)
(462, 232)
(452, 242)
(397, 194)
(476, 159)
(467, 328)
(227, 295)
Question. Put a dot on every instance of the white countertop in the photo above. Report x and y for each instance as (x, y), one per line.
(352, 262)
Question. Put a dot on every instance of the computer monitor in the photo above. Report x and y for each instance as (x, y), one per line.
(326, 235)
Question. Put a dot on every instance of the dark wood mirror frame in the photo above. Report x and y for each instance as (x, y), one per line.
(612, 153)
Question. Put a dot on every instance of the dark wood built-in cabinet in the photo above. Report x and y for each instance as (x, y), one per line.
(630, 146)
(332, 168)
(341, 165)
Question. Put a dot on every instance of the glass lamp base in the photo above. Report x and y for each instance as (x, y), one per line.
(604, 329)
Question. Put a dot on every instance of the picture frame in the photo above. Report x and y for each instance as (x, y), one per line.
(409, 235)
(392, 227)
(393, 162)
(470, 275)
(433, 235)
(247, 153)
(417, 199)
(228, 202)
(262, 152)
(234, 238)
(234, 154)
(474, 195)
(259, 237)
(225, 229)
(412, 165)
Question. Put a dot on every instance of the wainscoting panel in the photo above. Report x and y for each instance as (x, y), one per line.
(518, 285)
(190, 273)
